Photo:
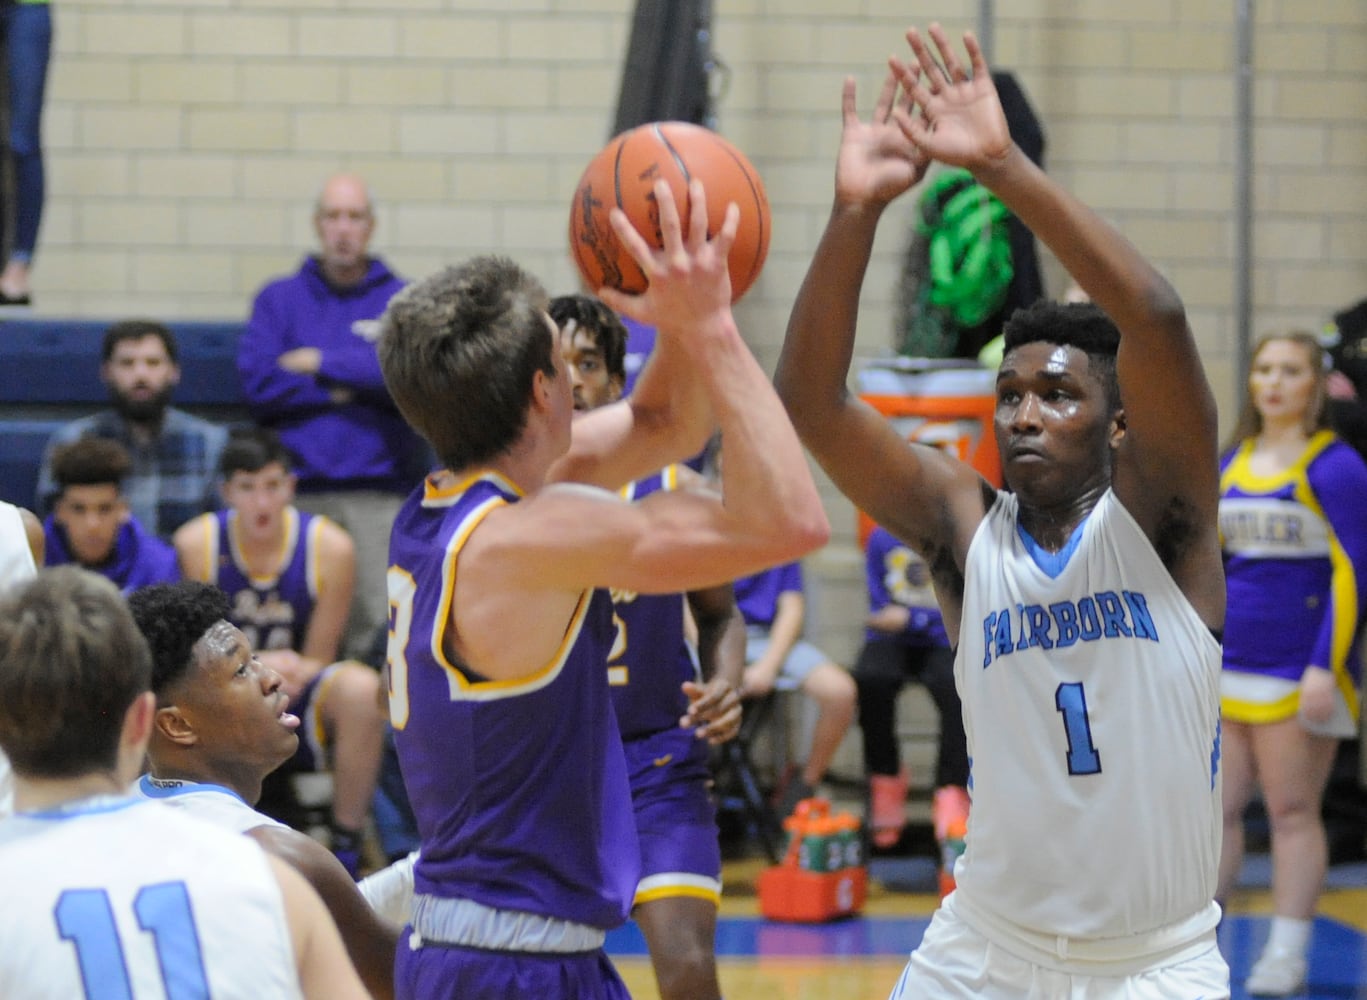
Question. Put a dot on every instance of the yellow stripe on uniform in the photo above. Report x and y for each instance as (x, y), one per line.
(673, 885)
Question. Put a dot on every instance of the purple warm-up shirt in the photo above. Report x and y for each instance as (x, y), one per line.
(362, 443)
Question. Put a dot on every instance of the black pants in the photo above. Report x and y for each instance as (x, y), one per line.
(884, 665)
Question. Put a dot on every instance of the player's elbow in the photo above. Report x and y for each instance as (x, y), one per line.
(1164, 306)
(803, 531)
(813, 536)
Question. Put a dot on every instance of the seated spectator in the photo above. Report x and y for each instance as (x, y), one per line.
(774, 608)
(174, 455)
(906, 641)
(289, 577)
(310, 372)
(91, 525)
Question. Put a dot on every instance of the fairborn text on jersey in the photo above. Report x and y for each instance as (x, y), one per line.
(1104, 615)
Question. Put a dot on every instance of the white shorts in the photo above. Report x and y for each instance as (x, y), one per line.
(955, 962)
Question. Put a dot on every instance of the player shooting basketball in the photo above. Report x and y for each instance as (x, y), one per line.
(499, 566)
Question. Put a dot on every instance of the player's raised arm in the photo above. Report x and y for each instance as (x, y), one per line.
(669, 415)
(667, 418)
(1165, 467)
(771, 511)
(917, 491)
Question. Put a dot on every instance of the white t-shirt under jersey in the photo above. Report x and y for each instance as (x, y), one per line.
(1091, 702)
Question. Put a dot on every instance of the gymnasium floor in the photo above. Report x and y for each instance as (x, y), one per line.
(863, 957)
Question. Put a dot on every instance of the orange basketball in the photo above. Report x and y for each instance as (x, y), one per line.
(624, 175)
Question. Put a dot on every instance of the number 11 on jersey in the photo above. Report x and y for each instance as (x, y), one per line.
(85, 917)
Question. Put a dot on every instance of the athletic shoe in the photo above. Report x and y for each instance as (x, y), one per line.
(887, 808)
(948, 806)
(1277, 974)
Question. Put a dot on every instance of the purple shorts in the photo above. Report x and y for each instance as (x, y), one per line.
(449, 972)
(675, 817)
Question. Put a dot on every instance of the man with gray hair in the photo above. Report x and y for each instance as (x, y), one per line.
(309, 372)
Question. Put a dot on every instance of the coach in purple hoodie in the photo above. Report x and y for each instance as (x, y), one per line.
(309, 371)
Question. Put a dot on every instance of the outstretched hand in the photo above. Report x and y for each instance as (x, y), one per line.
(961, 121)
(877, 160)
(688, 279)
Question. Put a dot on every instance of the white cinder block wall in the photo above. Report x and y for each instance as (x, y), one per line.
(186, 141)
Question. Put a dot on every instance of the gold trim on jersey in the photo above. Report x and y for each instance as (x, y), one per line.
(313, 560)
(211, 547)
(1239, 473)
(673, 885)
(320, 695)
(669, 480)
(445, 496)
(282, 558)
(461, 687)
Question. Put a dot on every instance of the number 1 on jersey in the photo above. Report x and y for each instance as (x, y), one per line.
(1071, 700)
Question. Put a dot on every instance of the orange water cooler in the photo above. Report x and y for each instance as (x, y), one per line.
(822, 875)
(944, 402)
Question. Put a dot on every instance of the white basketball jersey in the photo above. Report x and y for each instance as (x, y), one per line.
(212, 803)
(121, 898)
(1091, 703)
(16, 566)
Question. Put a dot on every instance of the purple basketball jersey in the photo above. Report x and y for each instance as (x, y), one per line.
(650, 660)
(273, 612)
(519, 788)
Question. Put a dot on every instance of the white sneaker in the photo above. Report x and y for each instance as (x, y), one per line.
(1277, 974)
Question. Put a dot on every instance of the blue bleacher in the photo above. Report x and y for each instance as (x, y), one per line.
(50, 373)
(22, 456)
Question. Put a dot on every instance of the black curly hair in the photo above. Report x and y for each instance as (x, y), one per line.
(173, 617)
(604, 325)
(1071, 324)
